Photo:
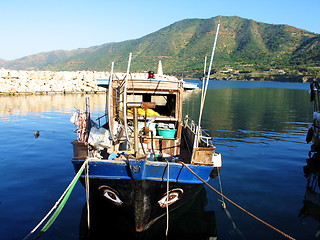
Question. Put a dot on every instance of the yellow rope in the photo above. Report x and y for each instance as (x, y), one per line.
(241, 208)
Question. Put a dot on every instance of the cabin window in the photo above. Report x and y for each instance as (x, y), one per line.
(165, 103)
(159, 100)
(134, 98)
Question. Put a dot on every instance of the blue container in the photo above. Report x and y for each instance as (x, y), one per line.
(166, 133)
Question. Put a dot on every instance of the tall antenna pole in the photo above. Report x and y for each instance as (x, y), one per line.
(204, 90)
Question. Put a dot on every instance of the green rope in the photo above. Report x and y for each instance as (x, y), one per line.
(60, 207)
(57, 211)
(61, 204)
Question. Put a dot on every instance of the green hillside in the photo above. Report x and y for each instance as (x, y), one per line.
(243, 45)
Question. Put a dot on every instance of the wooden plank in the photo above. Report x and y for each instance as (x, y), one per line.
(202, 156)
(168, 146)
(153, 86)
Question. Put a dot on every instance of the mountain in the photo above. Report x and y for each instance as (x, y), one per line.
(242, 44)
(45, 59)
(308, 51)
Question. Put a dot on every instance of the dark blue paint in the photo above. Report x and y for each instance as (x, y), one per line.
(142, 170)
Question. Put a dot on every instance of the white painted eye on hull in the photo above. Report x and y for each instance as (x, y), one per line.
(111, 195)
(170, 197)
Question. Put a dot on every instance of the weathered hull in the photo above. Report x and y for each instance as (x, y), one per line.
(138, 188)
(191, 221)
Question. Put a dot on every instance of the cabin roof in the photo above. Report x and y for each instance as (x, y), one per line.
(140, 82)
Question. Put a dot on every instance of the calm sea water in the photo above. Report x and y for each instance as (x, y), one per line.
(259, 127)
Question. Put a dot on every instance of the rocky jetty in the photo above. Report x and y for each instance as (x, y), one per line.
(42, 82)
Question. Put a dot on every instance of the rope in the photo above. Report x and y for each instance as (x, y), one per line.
(233, 224)
(58, 205)
(238, 206)
(167, 205)
(220, 184)
(87, 194)
(224, 206)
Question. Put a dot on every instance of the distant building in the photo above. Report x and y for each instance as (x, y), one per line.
(228, 70)
(280, 71)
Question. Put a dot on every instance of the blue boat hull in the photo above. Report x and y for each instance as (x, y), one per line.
(139, 187)
(145, 170)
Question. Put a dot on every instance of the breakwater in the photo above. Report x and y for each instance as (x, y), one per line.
(43, 82)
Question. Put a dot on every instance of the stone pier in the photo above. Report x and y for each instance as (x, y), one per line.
(43, 82)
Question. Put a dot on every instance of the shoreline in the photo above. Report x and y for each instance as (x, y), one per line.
(269, 78)
(20, 82)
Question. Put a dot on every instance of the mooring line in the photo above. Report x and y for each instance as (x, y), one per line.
(87, 184)
(58, 205)
(167, 202)
(238, 206)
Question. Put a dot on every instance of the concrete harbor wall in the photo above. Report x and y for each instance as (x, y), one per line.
(42, 82)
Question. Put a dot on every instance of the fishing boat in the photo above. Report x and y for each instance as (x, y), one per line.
(142, 156)
(313, 134)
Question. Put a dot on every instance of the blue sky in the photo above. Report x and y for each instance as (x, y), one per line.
(33, 26)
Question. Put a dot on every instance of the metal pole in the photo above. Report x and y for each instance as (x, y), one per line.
(110, 112)
(125, 100)
(196, 142)
(135, 126)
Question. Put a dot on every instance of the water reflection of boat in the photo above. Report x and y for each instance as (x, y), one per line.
(140, 158)
(311, 202)
(189, 222)
(314, 131)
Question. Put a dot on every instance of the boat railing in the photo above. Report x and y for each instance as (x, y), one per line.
(99, 118)
(205, 138)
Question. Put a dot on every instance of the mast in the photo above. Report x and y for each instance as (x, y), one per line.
(117, 105)
(203, 78)
(110, 92)
(125, 123)
(204, 91)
